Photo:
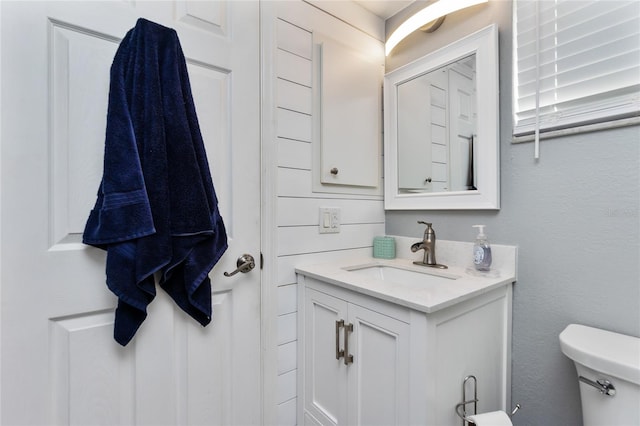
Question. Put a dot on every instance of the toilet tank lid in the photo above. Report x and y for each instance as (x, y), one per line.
(604, 351)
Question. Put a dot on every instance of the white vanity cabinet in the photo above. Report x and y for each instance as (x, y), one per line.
(408, 363)
(356, 360)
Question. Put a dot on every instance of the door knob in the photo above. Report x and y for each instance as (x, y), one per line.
(244, 264)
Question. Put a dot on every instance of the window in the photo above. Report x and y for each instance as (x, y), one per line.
(576, 62)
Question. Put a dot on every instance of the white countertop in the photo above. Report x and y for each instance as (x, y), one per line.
(425, 298)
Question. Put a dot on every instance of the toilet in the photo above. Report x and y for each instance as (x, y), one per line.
(608, 367)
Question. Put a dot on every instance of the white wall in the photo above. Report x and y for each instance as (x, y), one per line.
(292, 208)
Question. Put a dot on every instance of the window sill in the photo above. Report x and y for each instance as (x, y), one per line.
(614, 124)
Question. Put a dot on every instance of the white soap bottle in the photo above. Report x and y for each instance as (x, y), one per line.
(481, 250)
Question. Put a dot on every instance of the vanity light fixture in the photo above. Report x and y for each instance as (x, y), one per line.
(435, 13)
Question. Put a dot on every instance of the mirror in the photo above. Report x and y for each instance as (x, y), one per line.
(441, 128)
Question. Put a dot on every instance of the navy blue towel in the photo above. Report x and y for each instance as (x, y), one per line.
(156, 210)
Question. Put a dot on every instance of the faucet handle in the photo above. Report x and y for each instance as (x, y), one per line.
(428, 232)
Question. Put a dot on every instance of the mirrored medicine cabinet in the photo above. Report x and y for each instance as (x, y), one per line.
(441, 137)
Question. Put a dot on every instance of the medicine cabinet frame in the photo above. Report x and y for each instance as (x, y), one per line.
(486, 196)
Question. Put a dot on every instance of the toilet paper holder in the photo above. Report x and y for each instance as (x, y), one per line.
(461, 409)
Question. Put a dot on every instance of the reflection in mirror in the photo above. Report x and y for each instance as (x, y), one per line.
(436, 128)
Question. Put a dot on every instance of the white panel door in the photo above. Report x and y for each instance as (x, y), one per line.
(60, 364)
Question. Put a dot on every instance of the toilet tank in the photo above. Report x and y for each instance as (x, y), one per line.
(604, 355)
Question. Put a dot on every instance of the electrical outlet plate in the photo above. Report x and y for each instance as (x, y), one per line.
(329, 220)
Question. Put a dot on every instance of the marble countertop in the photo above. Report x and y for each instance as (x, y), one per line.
(467, 282)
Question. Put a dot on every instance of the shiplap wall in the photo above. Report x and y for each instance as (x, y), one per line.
(297, 206)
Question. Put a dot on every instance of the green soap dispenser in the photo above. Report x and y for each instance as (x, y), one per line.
(481, 250)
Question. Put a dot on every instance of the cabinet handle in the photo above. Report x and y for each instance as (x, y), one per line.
(339, 325)
(348, 358)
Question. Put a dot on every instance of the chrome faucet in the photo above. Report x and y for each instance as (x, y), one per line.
(428, 244)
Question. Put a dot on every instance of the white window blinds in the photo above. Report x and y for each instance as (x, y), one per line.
(576, 62)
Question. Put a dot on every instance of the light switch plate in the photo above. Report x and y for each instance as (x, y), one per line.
(329, 220)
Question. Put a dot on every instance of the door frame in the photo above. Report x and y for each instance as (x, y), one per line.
(268, 208)
(1, 144)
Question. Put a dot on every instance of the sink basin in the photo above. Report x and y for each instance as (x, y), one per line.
(402, 275)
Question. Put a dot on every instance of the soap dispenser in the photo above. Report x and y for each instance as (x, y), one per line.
(481, 250)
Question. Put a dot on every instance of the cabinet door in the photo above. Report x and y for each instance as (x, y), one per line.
(378, 379)
(325, 382)
(350, 104)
